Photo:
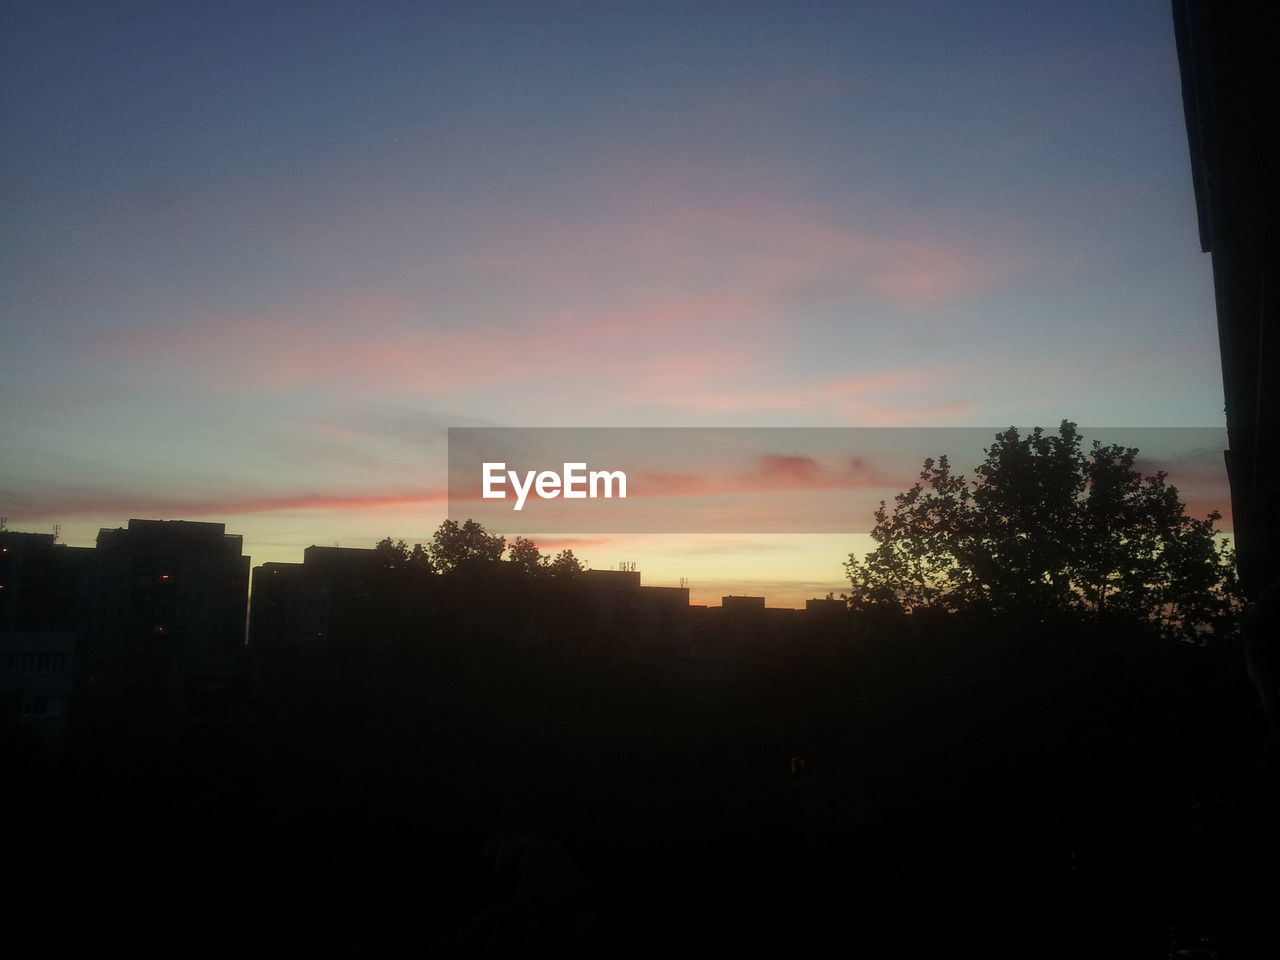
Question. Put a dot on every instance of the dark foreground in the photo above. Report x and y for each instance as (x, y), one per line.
(970, 788)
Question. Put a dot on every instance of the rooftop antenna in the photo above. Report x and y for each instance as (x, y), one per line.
(4, 523)
(684, 582)
(57, 530)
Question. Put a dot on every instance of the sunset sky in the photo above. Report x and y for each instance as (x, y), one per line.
(258, 257)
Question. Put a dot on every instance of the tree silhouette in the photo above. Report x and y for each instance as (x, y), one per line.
(527, 558)
(566, 565)
(1046, 529)
(531, 562)
(396, 555)
(453, 544)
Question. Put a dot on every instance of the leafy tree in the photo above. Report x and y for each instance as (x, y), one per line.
(566, 565)
(453, 544)
(1044, 529)
(527, 558)
(390, 553)
(396, 555)
(420, 559)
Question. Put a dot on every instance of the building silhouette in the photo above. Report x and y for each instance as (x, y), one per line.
(167, 619)
(296, 604)
(156, 623)
(1229, 51)
(44, 586)
(649, 617)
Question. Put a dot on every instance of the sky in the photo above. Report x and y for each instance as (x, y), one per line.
(257, 258)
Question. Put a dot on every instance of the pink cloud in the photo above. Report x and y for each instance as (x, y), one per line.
(381, 347)
(659, 484)
(674, 299)
(790, 469)
(103, 504)
(889, 399)
(760, 242)
(572, 543)
(772, 472)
